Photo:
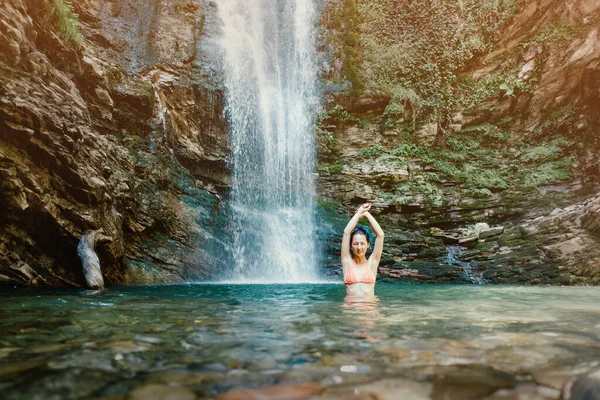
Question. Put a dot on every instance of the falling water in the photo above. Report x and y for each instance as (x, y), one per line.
(468, 271)
(270, 78)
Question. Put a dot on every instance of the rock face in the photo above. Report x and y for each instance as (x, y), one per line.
(86, 145)
(492, 160)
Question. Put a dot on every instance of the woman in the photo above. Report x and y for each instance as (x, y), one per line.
(359, 271)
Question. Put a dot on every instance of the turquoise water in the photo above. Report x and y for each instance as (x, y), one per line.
(71, 344)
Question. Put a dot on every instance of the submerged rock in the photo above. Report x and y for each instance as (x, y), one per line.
(284, 391)
(586, 387)
(161, 392)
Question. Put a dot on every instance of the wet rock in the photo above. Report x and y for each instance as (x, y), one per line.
(161, 392)
(148, 339)
(590, 220)
(285, 391)
(464, 382)
(128, 346)
(180, 378)
(586, 387)
(529, 391)
(18, 367)
(488, 233)
(385, 389)
(136, 95)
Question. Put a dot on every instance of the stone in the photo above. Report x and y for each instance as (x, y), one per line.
(427, 134)
(586, 387)
(454, 127)
(588, 48)
(384, 389)
(92, 68)
(525, 69)
(284, 391)
(148, 339)
(370, 102)
(128, 346)
(161, 392)
(468, 239)
(488, 233)
(180, 378)
(103, 95)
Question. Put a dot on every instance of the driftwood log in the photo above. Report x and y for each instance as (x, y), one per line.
(86, 250)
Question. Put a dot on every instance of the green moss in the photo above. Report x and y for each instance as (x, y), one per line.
(547, 173)
(481, 193)
(448, 169)
(67, 21)
(461, 143)
(431, 177)
(409, 190)
(419, 47)
(488, 132)
(336, 168)
(557, 123)
(343, 18)
(408, 150)
(477, 177)
(505, 83)
(556, 33)
(372, 151)
(546, 151)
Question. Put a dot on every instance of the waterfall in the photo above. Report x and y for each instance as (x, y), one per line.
(469, 272)
(270, 88)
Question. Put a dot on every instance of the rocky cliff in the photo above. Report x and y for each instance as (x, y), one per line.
(472, 127)
(104, 126)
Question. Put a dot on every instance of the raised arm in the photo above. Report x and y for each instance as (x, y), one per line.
(345, 253)
(378, 248)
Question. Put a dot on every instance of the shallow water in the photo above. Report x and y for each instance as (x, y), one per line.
(71, 344)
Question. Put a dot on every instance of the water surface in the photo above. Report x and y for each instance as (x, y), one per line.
(211, 338)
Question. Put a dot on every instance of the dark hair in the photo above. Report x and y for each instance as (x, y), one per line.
(359, 230)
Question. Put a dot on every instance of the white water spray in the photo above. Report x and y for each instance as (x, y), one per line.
(270, 87)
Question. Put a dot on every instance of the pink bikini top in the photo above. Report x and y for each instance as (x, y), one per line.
(366, 278)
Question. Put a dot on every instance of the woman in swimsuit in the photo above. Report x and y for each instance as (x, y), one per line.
(359, 271)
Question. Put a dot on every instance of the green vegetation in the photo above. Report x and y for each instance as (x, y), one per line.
(408, 150)
(548, 173)
(557, 123)
(415, 50)
(67, 21)
(372, 151)
(343, 18)
(409, 190)
(334, 168)
(329, 205)
(545, 152)
(506, 83)
(556, 33)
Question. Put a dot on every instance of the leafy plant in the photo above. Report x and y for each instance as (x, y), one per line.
(555, 33)
(372, 151)
(336, 168)
(67, 21)
(548, 173)
(407, 191)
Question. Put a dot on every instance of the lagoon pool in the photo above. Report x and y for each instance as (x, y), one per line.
(211, 340)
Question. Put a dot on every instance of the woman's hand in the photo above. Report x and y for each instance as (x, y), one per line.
(363, 209)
